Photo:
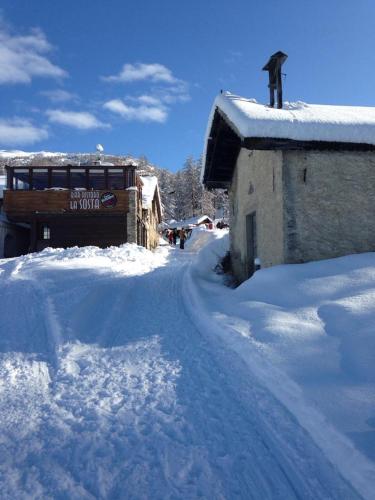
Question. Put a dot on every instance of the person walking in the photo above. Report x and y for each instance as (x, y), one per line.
(170, 236)
(182, 236)
(174, 236)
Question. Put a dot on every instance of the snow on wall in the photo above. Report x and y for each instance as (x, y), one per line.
(150, 183)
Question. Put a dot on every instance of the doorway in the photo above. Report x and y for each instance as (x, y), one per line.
(251, 243)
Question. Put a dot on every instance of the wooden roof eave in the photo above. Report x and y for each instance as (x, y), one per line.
(224, 144)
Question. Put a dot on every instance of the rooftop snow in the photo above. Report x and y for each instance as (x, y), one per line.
(297, 121)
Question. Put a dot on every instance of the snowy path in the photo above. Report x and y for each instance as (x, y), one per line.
(109, 391)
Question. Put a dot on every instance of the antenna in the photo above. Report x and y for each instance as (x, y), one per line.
(99, 149)
(273, 67)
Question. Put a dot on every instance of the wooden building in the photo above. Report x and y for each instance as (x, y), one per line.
(73, 206)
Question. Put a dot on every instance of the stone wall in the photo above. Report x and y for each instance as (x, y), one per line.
(153, 234)
(257, 187)
(329, 204)
(133, 215)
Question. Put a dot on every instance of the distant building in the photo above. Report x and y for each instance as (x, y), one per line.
(151, 211)
(198, 220)
(65, 206)
(301, 180)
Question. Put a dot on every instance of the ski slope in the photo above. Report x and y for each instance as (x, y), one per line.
(109, 389)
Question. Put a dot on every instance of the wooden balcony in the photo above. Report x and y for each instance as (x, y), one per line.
(81, 190)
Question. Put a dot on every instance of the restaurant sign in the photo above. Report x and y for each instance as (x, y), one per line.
(91, 200)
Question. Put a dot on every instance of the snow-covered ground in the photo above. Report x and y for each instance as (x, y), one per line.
(131, 374)
(308, 333)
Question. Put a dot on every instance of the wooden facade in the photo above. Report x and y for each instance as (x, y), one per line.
(75, 205)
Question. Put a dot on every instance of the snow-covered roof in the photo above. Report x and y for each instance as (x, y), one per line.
(193, 221)
(297, 121)
(237, 122)
(150, 184)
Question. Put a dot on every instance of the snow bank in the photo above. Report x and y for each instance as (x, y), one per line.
(129, 259)
(306, 331)
(298, 121)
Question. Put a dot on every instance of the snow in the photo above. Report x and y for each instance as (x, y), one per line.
(24, 154)
(297, 121)
(150, 184)
(126, 373)
(307, 332)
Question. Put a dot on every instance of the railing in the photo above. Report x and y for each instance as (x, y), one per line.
(96, 177)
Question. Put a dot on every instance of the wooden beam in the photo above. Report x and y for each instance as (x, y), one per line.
(30, 179)
(68, 178)
(87, 178)
(271, 143)
(10, 177)
(106, 178)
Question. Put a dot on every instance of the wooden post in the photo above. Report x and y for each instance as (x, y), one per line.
(10, 174)
(87, 179)
(33, 235)
(272, 94)
(279, 89)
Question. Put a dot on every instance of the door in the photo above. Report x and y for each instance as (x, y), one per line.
(251, 243)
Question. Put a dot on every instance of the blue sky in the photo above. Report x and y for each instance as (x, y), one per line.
(140, 77)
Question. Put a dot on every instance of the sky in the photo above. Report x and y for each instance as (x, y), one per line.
(140, 77)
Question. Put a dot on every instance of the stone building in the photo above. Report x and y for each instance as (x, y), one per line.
(151, 210)
(301, 180)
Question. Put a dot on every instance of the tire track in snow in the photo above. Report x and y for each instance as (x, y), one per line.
(142, 405)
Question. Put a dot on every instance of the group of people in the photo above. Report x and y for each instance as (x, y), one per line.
(173, 234)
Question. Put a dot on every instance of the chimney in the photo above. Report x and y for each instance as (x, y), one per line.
(274, 70)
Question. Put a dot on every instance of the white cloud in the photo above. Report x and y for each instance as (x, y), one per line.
(168, 95)
(23, 57)
(58, 95)
(76, 119)
(175, 93)
(154, 105)
(19, 132)
(148, 100)
(143, 113)
(140, 71)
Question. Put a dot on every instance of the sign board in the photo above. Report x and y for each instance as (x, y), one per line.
(91, 200)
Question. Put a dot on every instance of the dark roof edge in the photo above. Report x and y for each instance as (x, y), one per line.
(268, 143)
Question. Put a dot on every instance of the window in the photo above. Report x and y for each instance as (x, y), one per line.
(40, 179)
(115, 179)
(59, 178)
(77, 178)
(21, 179)
(46, 233)
(97, 179)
